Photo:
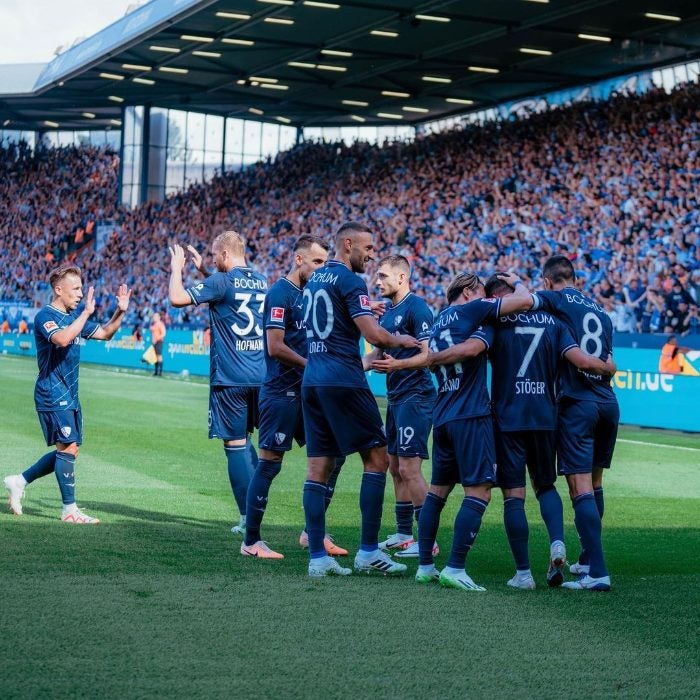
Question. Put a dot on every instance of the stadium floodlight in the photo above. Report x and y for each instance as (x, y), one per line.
(459, 101)
(111, 76)
(534, 52)
(436, 79)
(662, 17)
(258, 79)
(357, 118)
(419, 110)
(433, 18)
(389, 115)
(172, 69)
(385, 33)
(301, 64)
(233, 15)
(595, 37)
(336, 52)
(540, 2)
(355, 103)
(337, 69)
(164, 49)
(7, 122)
(144, 81)
(277, 2)
(255, 110)
(393, 93)
(53, 125)
(88, 115)
(207, 54)
(115, 98)
(272, 86)
(116, 122)
(483, 69)
(197, 37)
(278, 20)
(135, 66)
(238, 42)
(322, 5)
(284, 120)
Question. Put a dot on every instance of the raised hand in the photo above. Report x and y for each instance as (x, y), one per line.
(509, 278)
(90, 301)
(196, 257)
(123, 296)
(177, 257)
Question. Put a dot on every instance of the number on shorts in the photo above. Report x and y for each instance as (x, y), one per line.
(406, 434)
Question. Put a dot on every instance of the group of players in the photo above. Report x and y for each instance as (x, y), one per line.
(287, 359)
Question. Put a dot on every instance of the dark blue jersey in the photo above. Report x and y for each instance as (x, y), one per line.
(462, 391)
(333, 297)
(236, 299)
(525, 364)
(56, 386)
(411, 316)
(591, 328)
(284, 309)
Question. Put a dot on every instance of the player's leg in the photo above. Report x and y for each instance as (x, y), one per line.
(474, 443)
(158, 368)
(541, 462)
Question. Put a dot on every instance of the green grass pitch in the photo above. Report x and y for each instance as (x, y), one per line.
(157, 601)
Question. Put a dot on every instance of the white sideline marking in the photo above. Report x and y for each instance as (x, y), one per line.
(658, 444)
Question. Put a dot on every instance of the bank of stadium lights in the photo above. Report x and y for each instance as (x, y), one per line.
(274, 86)
(278, 20)
(357, 118)
(389, 115)
(207, 54)
(595, 37)
(539, 2)
(111, 76)
(417, 110)
(277, 2)
(53, 125)
(115, 98)
(433, 18)
(384, 33)
(238, 42)
(172, 69)
(436, 79)
(144, 81)
(88, 115)
(483, 69)
(336, 52)
(233, 15)
(259, 79)
(393, 93)
(197, 38)
(317, 66)
(135, 66)
(164, 49)
(534, 52)
(355, 103)
(662, 17)
(459, 101)
(284, 120)
(255, 110)
(116, 122)
(322, 5)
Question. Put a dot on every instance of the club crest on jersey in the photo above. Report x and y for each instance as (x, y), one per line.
(364, 302)
(50, 325)
(398, 320)
(279, 438)
(66, 430)
(277, 313)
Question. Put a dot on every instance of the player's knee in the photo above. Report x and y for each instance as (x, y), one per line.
(482, 491)
(541, 490)
(514, 493)
(408, 469)
(71, 449)
(270, 469)
(394, 467)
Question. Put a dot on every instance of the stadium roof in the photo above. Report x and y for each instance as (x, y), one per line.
(333, 62)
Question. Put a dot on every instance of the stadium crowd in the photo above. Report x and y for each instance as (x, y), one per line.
(613, 185)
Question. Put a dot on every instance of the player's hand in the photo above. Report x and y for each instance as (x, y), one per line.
(90, 301)
(196, 257)
(123, 296)
(408, 341)
(509, 278)
(610, 365)
(378, 308)
(386, 364)
(177, 257)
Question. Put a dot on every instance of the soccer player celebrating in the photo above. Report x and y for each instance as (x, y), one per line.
(340, 414)
(281, 420)
(525, 361)
(588, 413)
(235, 294)
(58, 328)
(411, 397)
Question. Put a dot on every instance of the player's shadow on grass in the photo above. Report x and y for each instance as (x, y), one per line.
(153, 516)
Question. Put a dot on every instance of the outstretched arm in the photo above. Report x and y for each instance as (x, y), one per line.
(107, 331)
(376, 335)
(457, 353)
(589, 363)
(519, 300)
(386, 363)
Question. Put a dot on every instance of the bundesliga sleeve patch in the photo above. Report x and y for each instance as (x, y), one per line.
(277, 313)
(364, 302)
(50, 325)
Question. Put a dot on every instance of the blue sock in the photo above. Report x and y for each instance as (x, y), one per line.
(371, 503)
(315, 512)
(332, 479)
(467, 524)
(42, 467)
(404, 517)
(239, 464)
(583, 558)
(552, 512)
(587, 520)
(64, 468)
(252, 458)
(428, 526)
(518, 532)
(256, 501)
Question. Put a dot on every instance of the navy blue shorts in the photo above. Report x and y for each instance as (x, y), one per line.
(464, 452)
(408, 426)
(62, 426)
(587, 435)
(340, 421)
(534, 449)
(233, 411)
(281, 422)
